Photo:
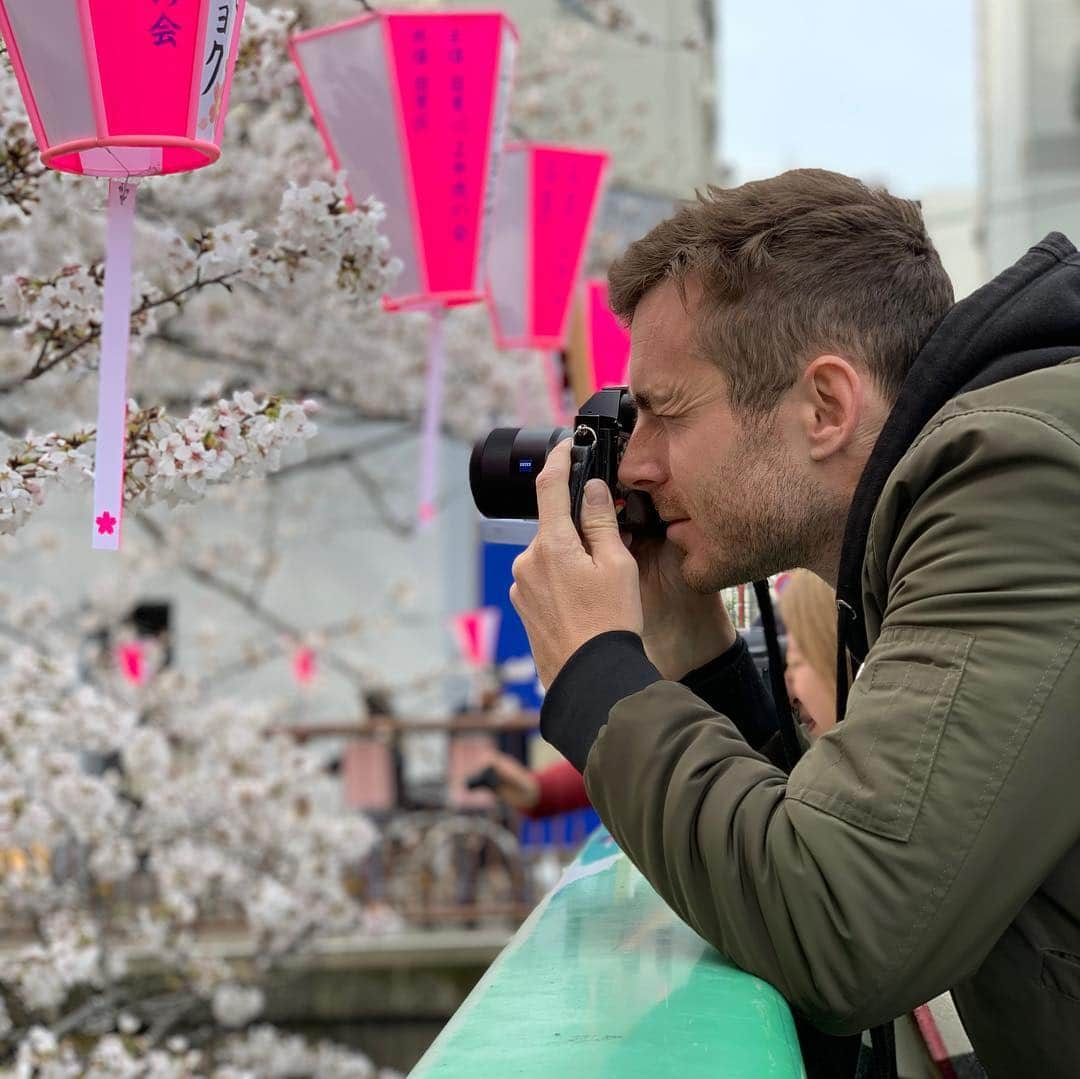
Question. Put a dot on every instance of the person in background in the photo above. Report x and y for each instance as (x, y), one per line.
(558, 788)
(808, 608)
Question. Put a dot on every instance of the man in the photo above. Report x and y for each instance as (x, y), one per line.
(809, 396)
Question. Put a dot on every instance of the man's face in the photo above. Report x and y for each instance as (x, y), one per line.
(738, 493)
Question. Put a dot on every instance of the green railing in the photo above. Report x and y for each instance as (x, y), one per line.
(603, 980)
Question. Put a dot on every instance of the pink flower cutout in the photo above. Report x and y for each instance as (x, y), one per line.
(106, 523)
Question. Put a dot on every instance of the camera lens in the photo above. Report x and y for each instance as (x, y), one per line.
(504, 466)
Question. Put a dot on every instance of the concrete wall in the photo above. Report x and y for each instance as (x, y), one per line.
(1030, 125)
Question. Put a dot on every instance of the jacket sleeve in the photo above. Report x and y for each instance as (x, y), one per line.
(905, 841)
(613, 665)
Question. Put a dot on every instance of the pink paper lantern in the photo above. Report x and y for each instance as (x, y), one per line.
(545, 205)
(413, 107)
(477, 635)
(122, 90)
(607, 340)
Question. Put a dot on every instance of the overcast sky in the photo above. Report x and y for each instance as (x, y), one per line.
(882, 90)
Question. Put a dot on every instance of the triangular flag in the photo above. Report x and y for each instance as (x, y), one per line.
(477, 634)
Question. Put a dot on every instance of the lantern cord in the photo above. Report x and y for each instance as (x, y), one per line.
(112, 372)
(367, 7)
(429, 452)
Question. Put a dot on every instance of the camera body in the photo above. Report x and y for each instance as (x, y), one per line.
(505, 463)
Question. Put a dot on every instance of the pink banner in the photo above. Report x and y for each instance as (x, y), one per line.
(112, 373)
(446, 69)
(565, 187)
(544, 208)
(609, 341)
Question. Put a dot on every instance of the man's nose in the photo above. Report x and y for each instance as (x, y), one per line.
(639, 467)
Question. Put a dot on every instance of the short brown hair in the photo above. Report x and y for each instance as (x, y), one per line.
(790, 267)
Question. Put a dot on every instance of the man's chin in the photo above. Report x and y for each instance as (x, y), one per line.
(700, 575)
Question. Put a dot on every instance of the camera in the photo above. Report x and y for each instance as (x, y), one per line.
(505, 463)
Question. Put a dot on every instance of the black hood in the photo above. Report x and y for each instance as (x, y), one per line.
(1025, 319)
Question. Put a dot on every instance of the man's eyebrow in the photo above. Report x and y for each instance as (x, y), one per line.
(647, 401)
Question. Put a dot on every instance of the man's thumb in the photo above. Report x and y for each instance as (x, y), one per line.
(598, 522)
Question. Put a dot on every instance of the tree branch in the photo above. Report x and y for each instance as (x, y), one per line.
(241, 599)
(42, 365)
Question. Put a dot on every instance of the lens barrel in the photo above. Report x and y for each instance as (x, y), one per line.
(504, 466)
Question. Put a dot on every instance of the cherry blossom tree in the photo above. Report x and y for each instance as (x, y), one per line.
(130, 815)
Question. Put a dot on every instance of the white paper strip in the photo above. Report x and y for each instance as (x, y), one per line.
(112, 375)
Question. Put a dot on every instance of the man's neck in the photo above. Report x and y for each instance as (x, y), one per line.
(827, 568)
(824, 560)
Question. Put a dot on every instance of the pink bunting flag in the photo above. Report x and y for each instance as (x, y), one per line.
(413, 105)
(304, 666)
(122, 90)
(131, 659)
(477, 635)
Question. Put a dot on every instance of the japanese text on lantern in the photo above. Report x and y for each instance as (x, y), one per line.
(164, 29)
(459, 202)
(559, 192)
(421, 81)
(218, 35)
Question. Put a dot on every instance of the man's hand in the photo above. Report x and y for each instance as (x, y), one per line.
(683, 629)
(567, 591)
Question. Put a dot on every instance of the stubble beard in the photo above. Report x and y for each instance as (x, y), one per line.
(771, 522)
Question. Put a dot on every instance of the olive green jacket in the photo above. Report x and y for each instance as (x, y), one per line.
(932, 840)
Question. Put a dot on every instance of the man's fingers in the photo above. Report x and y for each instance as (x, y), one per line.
(553, 490)
(599, 525)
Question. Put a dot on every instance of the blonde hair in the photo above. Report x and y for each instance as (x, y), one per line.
(808, 608)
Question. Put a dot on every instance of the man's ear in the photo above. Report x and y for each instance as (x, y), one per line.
(833, 393)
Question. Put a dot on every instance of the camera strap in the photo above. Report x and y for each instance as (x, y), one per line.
(581, 462)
